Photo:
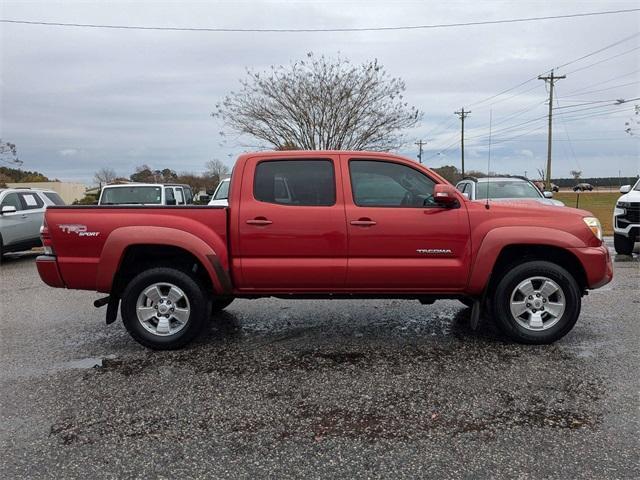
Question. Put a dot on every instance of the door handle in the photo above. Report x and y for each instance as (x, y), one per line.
(363, 222)
(259, 221)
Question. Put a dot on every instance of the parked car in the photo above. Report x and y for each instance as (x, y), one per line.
(21, 214)
(504, 189)
(626, 219)
(146, 194)
(220, 196)
(582, 187)
(351, 225)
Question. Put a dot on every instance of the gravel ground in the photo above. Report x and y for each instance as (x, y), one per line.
(317, 389)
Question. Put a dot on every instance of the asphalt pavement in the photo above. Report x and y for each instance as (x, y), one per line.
(317, 389)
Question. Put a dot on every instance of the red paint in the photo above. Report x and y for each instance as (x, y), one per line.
(268, 248)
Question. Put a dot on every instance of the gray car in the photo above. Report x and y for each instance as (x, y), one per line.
(21, 214)
(504, 189)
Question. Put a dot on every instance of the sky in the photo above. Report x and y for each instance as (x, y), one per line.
(74, 100)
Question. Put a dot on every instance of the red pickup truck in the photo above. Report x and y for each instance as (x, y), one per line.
(328, 224)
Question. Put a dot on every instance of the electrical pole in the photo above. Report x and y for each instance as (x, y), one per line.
(551, 79)
(462, 114)
(420, 143)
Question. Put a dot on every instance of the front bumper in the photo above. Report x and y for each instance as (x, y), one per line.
(49, 272)
(597, 265)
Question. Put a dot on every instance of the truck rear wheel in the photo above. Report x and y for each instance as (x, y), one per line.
(536, 302)
(163, 308)
(622, 244)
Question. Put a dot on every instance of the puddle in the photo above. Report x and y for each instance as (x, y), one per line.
(84, 363)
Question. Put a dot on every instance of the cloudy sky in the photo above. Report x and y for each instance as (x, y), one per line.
(77, 99)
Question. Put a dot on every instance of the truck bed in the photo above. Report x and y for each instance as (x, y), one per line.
(80, 234)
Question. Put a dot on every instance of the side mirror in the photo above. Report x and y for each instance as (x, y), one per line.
(445, 195)
(547, 194)
(625, 189)
(8, 209)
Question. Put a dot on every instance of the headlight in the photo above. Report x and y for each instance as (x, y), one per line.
(594, 225)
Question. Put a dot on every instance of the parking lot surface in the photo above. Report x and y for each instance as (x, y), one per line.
(317, 389)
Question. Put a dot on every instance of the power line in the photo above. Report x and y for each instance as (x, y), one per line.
(611, 45)
(602, 61)
(600, 83)
(313, 30)
(604, 89)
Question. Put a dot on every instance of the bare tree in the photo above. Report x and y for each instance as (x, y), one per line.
(576, 174)
(216, 168)
(9, 153)
(105, 175)
(321, 103)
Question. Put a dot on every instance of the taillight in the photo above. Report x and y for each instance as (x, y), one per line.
(47, 243)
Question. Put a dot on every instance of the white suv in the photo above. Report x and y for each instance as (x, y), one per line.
(626, 219)
(21, 213)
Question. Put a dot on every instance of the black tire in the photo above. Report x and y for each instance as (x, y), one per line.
(622, 244)
(192, 292)
(220, 303)
(501, 299)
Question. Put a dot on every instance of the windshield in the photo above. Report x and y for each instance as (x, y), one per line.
(506, 189)
(222, 191)
(131, 195)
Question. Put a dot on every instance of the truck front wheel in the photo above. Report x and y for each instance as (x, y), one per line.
(622, 244)
(163, 308)
(536, 302)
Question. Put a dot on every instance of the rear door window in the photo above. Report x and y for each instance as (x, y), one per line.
(295, 182)
(31, 201)
(170, 197)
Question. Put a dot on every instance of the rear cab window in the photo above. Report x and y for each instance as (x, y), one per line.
(133, 195)
(295, 182)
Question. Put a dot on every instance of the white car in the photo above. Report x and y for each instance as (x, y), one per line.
(626, 219)
(21, 214)
(504, 189)
(221, 196)
(145, 194)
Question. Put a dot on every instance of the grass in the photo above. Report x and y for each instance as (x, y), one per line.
(600, 204)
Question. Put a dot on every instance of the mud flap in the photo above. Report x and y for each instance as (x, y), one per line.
(475, 315)
(112, 309)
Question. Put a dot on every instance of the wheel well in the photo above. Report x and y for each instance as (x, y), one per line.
(137, 258)
(516, 254)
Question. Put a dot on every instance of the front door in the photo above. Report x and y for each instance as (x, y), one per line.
(292, 232)
(399, 238)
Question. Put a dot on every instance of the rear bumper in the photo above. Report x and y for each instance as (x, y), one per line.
(49, 271)
(597, 265)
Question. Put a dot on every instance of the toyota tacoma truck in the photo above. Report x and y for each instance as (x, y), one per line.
(347, 225)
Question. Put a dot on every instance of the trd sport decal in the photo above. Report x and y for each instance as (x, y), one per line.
(80, 230)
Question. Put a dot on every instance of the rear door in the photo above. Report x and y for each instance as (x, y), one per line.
(32, 214)
(399, 239)
(292, 232)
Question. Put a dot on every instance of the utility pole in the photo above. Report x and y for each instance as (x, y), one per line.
(420, 143)
(462, 114)
(551, 79)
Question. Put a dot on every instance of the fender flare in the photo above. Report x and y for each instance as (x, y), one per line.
(124, 237)
(499, 238)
